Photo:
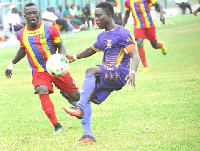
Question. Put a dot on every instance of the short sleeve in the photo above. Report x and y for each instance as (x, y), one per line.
(97, 46)
(151, 1)
(127, 4)
(126, 41)
(18, 37)
(55, 36)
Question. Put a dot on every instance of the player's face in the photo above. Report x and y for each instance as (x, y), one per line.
(101, 18)
(31, 14)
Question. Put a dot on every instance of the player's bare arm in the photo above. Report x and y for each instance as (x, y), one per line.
(162, 18)
(86, 53)
(134, 65)
(127, 14)
(61, 48)
(20, 54)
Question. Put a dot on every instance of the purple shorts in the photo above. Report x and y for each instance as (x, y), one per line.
(111, 79)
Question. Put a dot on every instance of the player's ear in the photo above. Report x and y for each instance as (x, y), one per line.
(109, 14)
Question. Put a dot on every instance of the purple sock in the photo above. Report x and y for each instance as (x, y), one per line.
(86, 123)
(87, 88)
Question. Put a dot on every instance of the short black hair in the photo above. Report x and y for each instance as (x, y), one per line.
(106, 6)
(29, 4)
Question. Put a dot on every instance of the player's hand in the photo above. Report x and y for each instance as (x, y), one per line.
(162, 19)
(8, 73)
(131, 80)
(195, 13)
(70, 58)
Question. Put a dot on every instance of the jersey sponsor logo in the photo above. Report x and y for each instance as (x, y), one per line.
(129, 39)
(109, 44)
(109, 68)
(42, 36)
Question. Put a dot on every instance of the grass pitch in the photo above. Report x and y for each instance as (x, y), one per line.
(163, 113)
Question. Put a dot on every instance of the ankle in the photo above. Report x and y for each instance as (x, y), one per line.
(58, 125)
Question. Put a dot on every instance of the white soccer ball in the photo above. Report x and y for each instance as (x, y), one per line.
(57, 65)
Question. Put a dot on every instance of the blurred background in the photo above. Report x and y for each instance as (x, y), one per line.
(170, 7)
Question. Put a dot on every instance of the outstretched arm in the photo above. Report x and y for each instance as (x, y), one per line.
(162, 18)
(125, 19)
(135, 61)
(86, 53)
(196, 11)
(20, 54)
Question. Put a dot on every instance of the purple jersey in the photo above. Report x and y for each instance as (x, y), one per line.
(113, 44)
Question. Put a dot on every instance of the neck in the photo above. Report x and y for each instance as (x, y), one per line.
(110, 26)
(34, 26)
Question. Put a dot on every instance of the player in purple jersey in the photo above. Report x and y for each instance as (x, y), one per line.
(118, 47)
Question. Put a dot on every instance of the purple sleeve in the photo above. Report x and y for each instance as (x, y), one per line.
(125, 38)
(97, 45)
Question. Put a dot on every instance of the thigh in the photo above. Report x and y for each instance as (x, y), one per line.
(139, 33)
(42, 78)
(151, 34)
(65, 83)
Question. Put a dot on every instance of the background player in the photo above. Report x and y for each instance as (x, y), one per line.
(144, 26)
(39, 41)
(118, 47)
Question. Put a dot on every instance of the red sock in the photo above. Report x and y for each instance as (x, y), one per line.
(160, 45)
(142, 56)
(48, 108)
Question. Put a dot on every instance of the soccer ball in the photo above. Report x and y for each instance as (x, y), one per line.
(57, 65)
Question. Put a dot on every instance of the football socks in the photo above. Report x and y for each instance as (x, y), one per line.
(48, 108)
(142, 56)
(86, 122)
(87, 88)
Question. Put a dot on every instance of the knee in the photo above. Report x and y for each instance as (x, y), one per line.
(140, 43)
(40, 89)
(90, 70)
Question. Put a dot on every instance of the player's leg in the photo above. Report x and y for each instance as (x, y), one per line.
(151, 36)
(86, 124)
(43, 86)
(189, 6)
(97, 97)
(48, 106)
(72, 98)
(141, 51)
(88, 86)
(68, 88)
(159, 45)
(139, 37)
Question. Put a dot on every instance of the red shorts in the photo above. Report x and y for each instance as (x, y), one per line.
(148, 33)
(64, 83)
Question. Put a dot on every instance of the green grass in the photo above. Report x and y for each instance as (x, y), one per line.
(163, 113)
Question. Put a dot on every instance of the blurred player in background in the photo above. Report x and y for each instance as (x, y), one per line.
(144, 26)
(39, 41)
(100, 81)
